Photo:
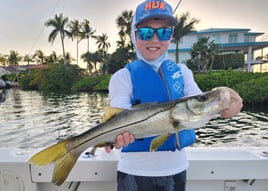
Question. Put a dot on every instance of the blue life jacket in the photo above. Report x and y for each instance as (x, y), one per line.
(150, 86)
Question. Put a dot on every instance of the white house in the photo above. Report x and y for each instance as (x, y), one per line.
(229, 39)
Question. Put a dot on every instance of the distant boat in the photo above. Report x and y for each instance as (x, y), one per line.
(4, 87)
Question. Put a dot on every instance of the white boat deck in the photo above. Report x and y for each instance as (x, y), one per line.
(211, 169)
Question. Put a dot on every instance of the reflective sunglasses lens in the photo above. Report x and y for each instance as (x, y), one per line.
(164, 33)
(145, 33)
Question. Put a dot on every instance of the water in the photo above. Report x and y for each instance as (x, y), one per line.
(29, 120)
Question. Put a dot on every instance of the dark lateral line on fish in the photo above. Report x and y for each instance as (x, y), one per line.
(172, 105)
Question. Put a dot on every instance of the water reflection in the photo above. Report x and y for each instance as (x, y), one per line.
(246, 129)
(30, 120)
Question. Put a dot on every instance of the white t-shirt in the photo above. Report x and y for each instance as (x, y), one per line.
(162, 163)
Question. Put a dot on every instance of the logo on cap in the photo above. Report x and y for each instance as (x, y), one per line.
(154, 5)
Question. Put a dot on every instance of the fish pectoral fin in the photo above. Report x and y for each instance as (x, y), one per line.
(159, 141)
(110, 112)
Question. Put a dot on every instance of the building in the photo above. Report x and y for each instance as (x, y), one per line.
(229, 39)
(2, 71)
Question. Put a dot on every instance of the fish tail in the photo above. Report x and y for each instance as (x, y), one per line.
(59, 154)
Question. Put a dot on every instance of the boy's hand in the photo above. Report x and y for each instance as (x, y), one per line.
(235, 107)
(121, 140)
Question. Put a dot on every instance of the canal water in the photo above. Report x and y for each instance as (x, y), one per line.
(29, 120)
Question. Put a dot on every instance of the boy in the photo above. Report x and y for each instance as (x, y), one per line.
(150, 78)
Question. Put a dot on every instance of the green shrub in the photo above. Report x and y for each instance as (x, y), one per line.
(252, 87)
(254, 90)
(103, 84)
(25, 82)
(60, 78)
(85, 84)
(96, 83)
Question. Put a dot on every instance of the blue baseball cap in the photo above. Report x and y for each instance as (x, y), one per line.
(154, 9)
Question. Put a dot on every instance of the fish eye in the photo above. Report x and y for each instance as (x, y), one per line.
(203, 97)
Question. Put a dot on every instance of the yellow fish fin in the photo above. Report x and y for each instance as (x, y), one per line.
(63, 166)
(59, 154)
(159, 141)
(49, 155)
(110, 112)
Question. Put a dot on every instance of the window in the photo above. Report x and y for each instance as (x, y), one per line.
(216, 38)
(247, 38)
(233, 37)
(250, 38)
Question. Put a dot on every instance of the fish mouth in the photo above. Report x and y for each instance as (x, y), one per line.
(207, 103)
(224, 97)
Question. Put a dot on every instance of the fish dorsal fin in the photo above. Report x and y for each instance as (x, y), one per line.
(110, 112)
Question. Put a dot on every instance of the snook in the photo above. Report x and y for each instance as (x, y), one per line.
(148, 120)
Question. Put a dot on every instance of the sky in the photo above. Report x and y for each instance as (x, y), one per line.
(22, 21)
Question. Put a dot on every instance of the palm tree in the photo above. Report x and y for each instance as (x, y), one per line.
(59, 23)
(69, 58)
(28, 58)
(14, 58)
(122, 42)
(103, 46)
(87, 31)
(213, 50)
(203, 52)
(97, 57)
(124, 24)
(75, 29)
(105, 64)
(184, 27)
(52, 58)
(39, 56)
(88, 57)
(3, 61)
(102, 42)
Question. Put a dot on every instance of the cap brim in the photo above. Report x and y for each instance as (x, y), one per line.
(174, 22)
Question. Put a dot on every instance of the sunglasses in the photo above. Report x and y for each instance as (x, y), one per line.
(147, 33)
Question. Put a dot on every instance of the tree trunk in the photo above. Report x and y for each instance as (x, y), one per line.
(88, 44)
(177, 51)
(63, 50)
(77, 50)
